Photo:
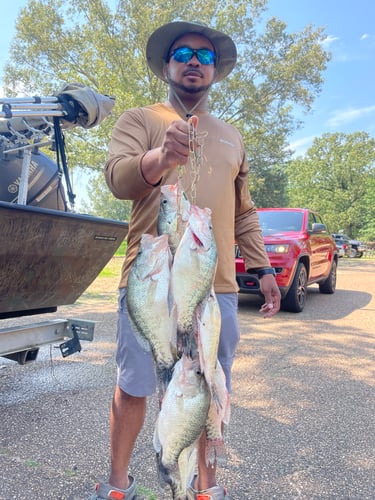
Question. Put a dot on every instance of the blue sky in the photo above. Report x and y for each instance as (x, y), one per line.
(347, 102)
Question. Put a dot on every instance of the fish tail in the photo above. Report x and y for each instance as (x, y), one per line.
(166, 477)
(215, 452)
(164, 376)
(186, 343)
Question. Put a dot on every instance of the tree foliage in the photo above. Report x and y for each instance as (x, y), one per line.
(103, 203)
(337, 178)
(103, 45)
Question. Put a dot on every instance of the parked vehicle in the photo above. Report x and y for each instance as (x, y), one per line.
(352, 248)
(358, 248)
(343, 244)
(300, 249)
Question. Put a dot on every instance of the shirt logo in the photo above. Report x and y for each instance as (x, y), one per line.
(226, 142)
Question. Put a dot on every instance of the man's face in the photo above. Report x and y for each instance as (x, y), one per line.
(192, 76)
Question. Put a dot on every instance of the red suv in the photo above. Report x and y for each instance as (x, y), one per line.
(300, 249)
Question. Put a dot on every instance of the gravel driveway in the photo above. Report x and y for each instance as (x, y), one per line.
(303, 406)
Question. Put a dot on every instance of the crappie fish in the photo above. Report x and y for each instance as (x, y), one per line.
(192, 274)
(187, 467)
(208, 336)
(215, 451)
(183, 412)
(149, 303)
(173, 214)
(218, 416)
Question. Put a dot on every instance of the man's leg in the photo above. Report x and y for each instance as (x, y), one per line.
(128, 410)
(135, 381)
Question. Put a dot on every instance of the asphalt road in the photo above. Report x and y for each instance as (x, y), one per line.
(303, 406)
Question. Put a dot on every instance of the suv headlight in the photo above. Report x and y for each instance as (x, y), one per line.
(277, 248)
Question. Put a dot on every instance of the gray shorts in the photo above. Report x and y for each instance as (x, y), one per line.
(135, 368)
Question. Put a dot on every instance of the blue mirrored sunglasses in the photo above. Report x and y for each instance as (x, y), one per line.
(185, 54)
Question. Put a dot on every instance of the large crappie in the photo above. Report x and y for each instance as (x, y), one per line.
(173, 214)
(151, 310)
(193, 273)
(208, 336)
(183, 412)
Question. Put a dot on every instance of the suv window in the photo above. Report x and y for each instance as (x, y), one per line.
(310, 221)
(273, 222)
(318, 219)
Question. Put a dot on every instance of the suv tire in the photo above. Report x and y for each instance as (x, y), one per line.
(329, 285)
(296, 297)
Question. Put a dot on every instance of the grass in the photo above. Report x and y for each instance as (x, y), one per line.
(109, 271)
(113, 268)
(120, 252)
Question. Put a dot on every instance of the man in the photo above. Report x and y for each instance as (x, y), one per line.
(147, 147)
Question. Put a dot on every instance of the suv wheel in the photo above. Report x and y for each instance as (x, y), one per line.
(296, 297)
(329, 285)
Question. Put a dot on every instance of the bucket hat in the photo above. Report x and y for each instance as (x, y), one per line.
(161, 40)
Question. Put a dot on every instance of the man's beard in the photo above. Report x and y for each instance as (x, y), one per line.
(187, 90)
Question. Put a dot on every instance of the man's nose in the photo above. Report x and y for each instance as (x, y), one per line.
(194, 60)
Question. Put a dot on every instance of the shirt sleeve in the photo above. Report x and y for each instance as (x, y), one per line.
(248, 233)
(129, 143)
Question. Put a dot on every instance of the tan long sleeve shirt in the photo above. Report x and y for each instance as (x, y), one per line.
(222, 186)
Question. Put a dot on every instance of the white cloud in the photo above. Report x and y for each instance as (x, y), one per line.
(329, 40)
(343, 116)
(300, 146)
(367, 36)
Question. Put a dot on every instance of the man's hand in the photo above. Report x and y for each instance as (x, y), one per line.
(175, 148)
(173, 152)
(272, 296)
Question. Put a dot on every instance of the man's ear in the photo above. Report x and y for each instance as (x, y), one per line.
(165, 70)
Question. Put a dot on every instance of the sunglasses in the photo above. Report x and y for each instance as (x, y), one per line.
(185, 54)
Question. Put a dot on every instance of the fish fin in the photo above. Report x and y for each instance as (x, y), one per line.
(227, 415)
(198, 339)
(142, 341)
(155, 440)
(215, 452)
(173, 318)
(188, 465)
(166, 477)
(215, 397)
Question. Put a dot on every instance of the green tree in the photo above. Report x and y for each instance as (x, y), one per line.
(337, 178)
(102, 203)
(367, 231)
(103, 46)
